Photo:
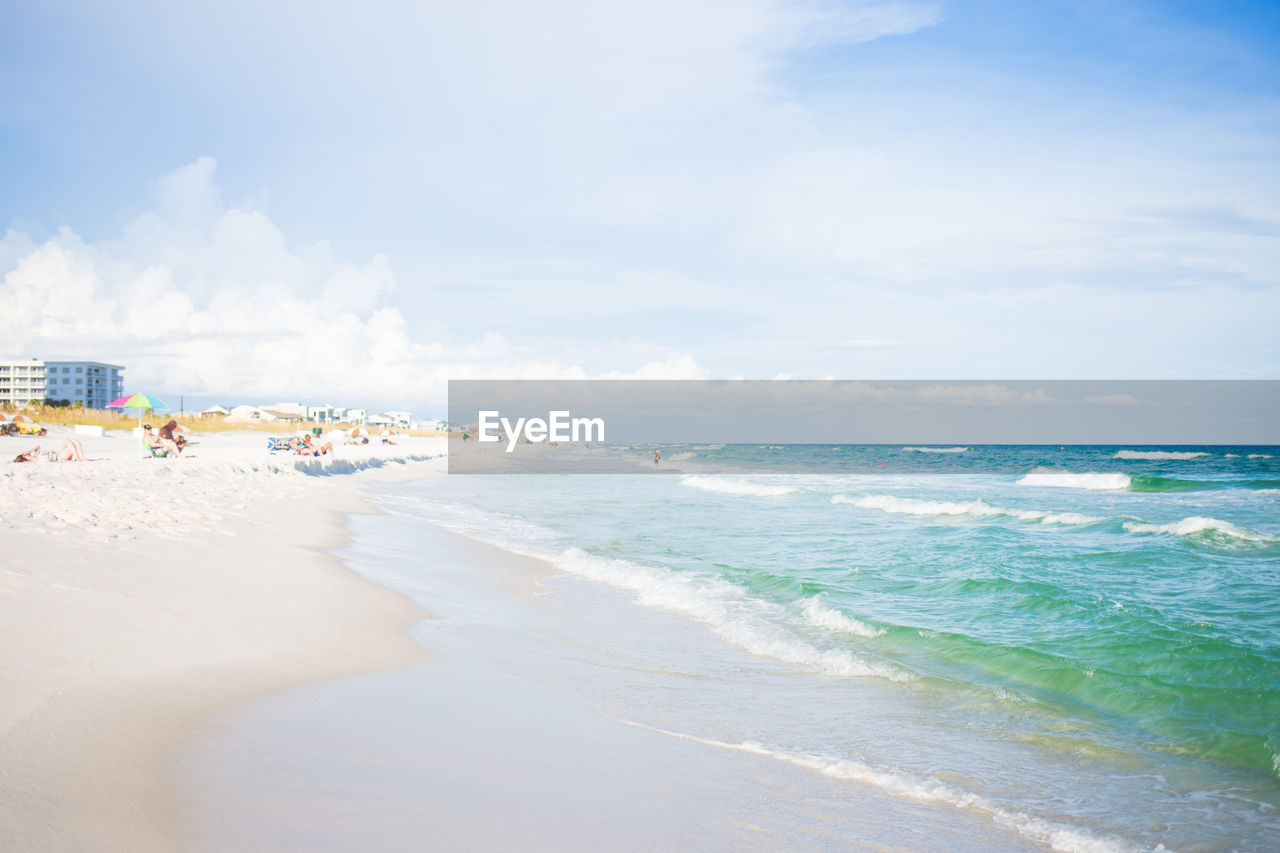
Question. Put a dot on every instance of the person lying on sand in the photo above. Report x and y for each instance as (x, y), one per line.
(71, 451)
(306, 448)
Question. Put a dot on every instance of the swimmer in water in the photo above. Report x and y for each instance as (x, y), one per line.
(657, 457)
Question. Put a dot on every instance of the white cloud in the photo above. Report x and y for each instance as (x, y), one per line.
(199, 297)
(675, 366)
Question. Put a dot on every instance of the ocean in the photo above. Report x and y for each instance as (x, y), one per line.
(1079, 643)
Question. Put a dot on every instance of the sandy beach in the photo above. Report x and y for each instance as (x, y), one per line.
(247, 651)
(136, 596)
(191, 663)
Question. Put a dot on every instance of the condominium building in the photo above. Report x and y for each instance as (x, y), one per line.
(92, 384)
(21, 381)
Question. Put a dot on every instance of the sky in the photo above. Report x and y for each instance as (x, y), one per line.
(327, 203)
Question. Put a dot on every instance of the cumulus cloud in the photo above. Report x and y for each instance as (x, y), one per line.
(201, 297)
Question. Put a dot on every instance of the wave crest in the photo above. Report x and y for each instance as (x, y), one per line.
(1097, 480)
(723, 607)
(1159, 454)
(821, 615)
(1198, 525)
(975, 508)
(737, 487)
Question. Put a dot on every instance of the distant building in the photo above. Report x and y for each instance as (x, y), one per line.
(430, 424)
(215, 412)
(21, 381)
(91, 384)
(249, 414)
(322, 414)
(296, 409)
(400, 420)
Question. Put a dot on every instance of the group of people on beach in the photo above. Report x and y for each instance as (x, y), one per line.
(305, 445)
(167, 439)
(165, 442)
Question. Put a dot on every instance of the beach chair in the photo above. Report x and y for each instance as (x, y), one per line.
(149, 452)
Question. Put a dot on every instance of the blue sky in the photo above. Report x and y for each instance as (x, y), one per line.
(319, 201)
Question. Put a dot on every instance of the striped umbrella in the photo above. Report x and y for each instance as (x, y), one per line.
(141, 402)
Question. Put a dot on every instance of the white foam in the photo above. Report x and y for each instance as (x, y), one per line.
(1197, 524)
(1260, 456)
(937, 449)
(975, 508)
(1097, 480)
(1159, 454)
(746, 622)
(737, 487)
(820, 615)
(1058, 836)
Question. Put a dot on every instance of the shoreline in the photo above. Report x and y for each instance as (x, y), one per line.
(482, 746)
(119, 645)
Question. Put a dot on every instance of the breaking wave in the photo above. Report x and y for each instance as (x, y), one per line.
(737, 487)
(1198, 525)
(1097, 480)
(730, 612)
(1159, 454)
(975, 508)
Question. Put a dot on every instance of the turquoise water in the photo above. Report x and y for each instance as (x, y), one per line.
(1079, 638)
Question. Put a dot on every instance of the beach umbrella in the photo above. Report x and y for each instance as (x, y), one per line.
(141, 402)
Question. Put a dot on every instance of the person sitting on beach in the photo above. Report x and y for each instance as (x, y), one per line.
(306, 448)
(72, 451)
(167, 433)
(150, 439)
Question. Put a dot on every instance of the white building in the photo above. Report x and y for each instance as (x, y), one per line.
(322, 414)
(92, 384)
(21, 381)
(400, 420)
(249, 414)
(290, 409)
(430, 424)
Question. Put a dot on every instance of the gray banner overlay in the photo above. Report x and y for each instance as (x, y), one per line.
(556, 426)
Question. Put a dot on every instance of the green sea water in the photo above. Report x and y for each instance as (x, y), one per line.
(1088, 635)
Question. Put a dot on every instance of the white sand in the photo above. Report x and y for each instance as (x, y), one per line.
(137, 595)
